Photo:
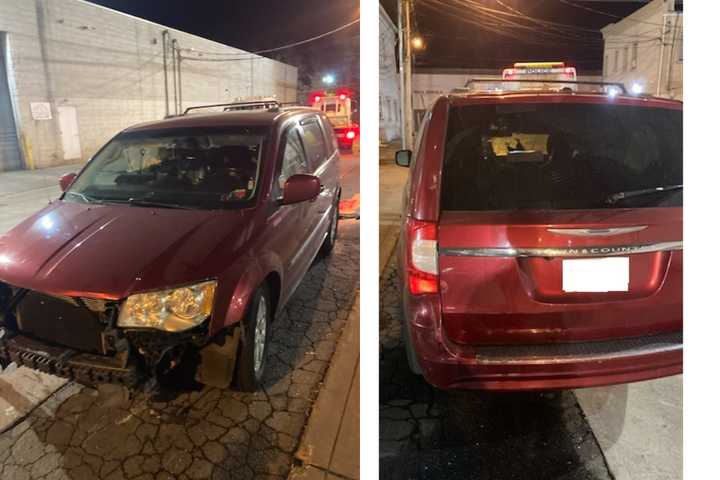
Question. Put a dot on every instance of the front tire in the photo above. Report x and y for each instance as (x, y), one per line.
(252, 357)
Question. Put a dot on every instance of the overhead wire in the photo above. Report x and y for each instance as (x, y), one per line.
(268, 50)
(600, 12)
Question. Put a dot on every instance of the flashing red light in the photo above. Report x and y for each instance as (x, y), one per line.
(569, 70)
(350, 135)
(317, 98)
(343, 96)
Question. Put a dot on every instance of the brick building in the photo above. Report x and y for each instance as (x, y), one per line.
(72, 74)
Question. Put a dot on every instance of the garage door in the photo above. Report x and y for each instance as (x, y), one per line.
(10, 158)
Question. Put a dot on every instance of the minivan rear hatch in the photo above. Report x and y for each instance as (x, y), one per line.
(561, 222)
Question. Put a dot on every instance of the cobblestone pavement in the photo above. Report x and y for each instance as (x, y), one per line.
(79, 433)
(427, 433)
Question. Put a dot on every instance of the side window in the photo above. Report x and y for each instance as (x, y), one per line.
(330, 139)
(294, 161)
(314, 142)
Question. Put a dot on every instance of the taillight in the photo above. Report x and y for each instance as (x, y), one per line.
(423, 257)
(350, 135)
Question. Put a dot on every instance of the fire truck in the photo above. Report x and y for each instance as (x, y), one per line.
(338, 106)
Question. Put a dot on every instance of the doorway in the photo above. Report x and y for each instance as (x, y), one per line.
(10, 157)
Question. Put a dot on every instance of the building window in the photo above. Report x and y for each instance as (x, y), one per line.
(626, 59)
(679, 48)
(382, 117)
(606, 66)
(633, 63)
(615, 63)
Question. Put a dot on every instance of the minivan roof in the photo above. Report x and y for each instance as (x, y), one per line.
(479, 97)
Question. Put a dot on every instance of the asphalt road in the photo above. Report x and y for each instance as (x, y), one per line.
(82, 433)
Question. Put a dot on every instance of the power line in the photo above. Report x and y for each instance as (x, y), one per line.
(600, 12)
(270, 50)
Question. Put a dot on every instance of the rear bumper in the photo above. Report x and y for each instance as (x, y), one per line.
(535, 367)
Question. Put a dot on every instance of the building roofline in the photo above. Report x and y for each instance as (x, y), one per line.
(165, 27)
(383, 13)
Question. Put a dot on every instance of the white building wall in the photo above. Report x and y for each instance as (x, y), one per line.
(639, 50)
(390, 124)
(109, 66)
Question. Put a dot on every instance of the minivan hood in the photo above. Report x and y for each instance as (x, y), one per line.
(111, 251)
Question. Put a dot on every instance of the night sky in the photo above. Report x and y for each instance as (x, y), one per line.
(258, 25)
(454, 42)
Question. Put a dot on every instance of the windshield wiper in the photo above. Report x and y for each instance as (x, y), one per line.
(616, 197)
(86, 198)
(143, 202)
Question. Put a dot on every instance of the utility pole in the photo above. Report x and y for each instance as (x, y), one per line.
(405, 50)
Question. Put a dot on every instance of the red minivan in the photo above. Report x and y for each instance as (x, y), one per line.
(541, 244)
(176, 245)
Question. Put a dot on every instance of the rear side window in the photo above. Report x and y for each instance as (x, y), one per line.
(330, 139)
(314, 141)
(561, 156)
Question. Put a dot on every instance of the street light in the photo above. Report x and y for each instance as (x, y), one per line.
(418, 43)
(328, 79)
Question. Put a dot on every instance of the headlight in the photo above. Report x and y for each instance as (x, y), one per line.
(171, 310)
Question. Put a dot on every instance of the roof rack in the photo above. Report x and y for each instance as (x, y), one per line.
(617, 85)
(256, 104)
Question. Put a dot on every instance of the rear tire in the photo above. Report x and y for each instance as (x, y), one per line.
(252, 357)
(331, 236)
(410, 352)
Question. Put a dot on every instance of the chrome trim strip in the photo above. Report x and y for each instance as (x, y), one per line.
(578, 358)
(600, 251)
(596, 232)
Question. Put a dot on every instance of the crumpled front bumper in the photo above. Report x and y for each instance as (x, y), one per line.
(84, 368)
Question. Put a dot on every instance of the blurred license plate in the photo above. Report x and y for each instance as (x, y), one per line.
(610, 274)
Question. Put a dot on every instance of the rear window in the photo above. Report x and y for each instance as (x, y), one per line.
(562, 156)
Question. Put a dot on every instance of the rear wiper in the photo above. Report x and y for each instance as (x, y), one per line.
(616, 197)
(141, 202)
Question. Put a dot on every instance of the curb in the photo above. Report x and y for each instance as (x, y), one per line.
(338, 396)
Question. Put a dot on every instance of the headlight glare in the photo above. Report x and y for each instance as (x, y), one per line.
(172, 310)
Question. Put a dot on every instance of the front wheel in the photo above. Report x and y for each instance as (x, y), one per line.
(331, 236)
(251, 358)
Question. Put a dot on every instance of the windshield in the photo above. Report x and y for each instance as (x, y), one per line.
(197, 168)
(561, 156)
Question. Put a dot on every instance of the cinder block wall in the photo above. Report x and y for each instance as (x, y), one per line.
(109, 66)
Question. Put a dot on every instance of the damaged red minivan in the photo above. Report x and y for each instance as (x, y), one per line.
(177, 244)
(541, 245)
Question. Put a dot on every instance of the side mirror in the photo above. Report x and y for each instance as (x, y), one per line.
(403, 158)
(300, 188)
(66, 180)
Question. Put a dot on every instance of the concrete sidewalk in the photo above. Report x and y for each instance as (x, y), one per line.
(24, 192)
(330, 446)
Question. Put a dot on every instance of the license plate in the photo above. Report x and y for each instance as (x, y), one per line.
(596, 274)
